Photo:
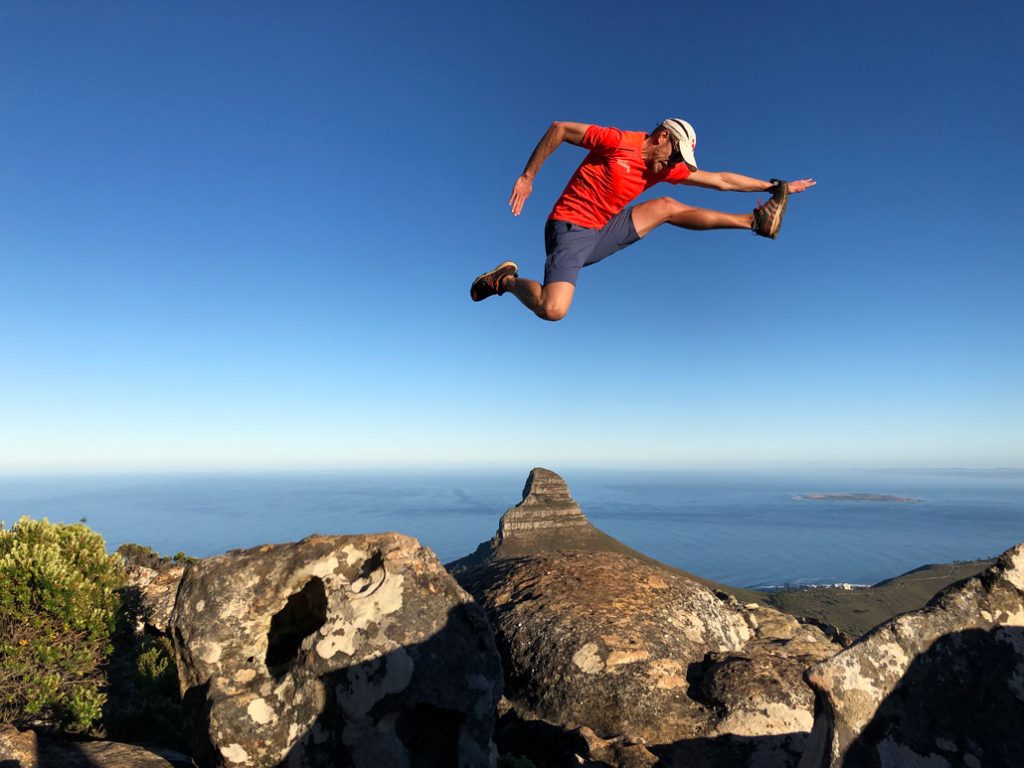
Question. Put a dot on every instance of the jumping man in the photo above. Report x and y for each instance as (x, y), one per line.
(591, 221)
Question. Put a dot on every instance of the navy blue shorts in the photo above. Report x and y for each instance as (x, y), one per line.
(571, 247)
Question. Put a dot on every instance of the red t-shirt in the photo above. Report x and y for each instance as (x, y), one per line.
(611, 176)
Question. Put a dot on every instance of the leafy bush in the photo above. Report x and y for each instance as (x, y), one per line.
(143, 699)
(58, 610)
(139, 554)
(144, 695)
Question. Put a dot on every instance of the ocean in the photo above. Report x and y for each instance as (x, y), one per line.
(744, 529)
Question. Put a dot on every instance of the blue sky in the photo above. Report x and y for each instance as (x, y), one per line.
(242, 234)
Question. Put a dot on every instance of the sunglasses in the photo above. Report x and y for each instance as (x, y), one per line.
(676, 156)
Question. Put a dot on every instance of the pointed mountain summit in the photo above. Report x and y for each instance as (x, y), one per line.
(548, 519)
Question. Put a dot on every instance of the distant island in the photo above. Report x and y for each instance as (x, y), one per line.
(855, 497)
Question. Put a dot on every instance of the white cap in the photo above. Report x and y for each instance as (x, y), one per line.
(685, 137)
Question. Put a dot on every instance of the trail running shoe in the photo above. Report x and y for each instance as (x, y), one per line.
(768, 217)
(489, 283)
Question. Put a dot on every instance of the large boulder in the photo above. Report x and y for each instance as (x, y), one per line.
(335, 651)
(941, 686)
(627, 646)
(601, 640)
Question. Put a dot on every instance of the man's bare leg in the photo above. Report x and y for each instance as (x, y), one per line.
(548, 302)
(667, 210)
(552, 301)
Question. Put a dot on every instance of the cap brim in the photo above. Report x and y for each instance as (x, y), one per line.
(682, 141)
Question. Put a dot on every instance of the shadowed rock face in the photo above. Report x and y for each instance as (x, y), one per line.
(24, 749)
(341, 650)
(593, 634)
(938, 687)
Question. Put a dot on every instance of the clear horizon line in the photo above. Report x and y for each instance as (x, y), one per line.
(505, 466)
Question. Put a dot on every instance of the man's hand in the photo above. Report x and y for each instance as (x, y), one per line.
(800, 186)
(557, 133)
(522, 189)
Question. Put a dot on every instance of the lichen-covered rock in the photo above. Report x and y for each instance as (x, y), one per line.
(599, 639)
(17, 748)
(335, 651)
(938, 687)
(596, 639)
(756, 691)
(625, 645)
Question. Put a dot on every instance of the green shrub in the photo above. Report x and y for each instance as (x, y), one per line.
(144, 695)
(58, 610)
(138, 554)
(143, 698)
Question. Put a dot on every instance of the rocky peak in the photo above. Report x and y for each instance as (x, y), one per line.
(547, 507)
(548, 519)
(546, 488)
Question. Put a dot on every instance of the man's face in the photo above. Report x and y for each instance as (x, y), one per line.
(665, 153)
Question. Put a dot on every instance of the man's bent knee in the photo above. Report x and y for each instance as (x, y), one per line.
(656, 212)
(552, 312)
(669, 206)
(555, 300)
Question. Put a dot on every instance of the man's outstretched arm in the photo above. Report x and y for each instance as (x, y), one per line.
(555, 135)
(737, 182)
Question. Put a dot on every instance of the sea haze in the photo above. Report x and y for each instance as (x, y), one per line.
(742, 529)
